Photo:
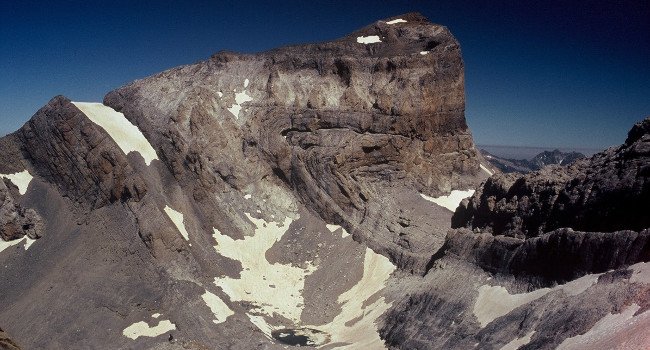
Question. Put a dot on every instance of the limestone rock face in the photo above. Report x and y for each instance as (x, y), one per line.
(303, 193)
(15, 221)
(338, 122)
(579, 196)
(555, 257)
(69, 150)
(531, 272)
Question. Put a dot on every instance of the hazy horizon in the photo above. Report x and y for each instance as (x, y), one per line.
(528, 152)
(545, 75)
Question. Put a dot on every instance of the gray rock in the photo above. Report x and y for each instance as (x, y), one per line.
(67, 149)
(16, 221)
(579, 196)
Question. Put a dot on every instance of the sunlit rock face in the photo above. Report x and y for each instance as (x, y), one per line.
(339, 122)
(300, 196)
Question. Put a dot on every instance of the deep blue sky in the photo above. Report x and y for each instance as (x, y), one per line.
(555, 73)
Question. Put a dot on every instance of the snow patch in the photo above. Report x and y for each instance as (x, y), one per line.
(142, 329)
(495, 301)
(333, 228)
(248, 196)
(259, 280)
(640, 273)
(487, 171)
(220, 310)
(362, 334)
(240, 98)
(177, 219)
(127, 136)
(451, 201)
(368, 39)
(261, 324)
(21, 180)
(395, 21)
(220, 94)
(156, 315)
(424, 52)
(518, 342)
(6, 244)
(621, 331)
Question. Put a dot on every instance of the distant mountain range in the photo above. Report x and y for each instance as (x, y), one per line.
(539, 161)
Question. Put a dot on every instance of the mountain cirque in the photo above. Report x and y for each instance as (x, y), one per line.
(301, 196)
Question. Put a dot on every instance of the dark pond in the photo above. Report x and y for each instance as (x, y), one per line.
(300, 336)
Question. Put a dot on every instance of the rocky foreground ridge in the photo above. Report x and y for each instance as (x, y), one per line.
(301, 196)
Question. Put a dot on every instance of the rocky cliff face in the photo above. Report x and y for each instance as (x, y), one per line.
(339, 122)
(535, 273)
(579, 196)
(295, 197)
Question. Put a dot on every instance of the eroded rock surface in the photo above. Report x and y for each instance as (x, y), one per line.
(304, 194)
(67, 149)
(579, 196)
(16, 221)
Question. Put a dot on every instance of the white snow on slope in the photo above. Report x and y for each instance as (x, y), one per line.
(518, 342)
(495, 301)
(142, 329)
(640, 273)
(487, 171)
(614, 331)
(272, 288)
(424, 52)
(240, 98)
(127, 136)
(451, 201)
(368, 39)
(395, 21)
(219, 309)
(6, 244)
(356, 324)
(21, 180)
(333, 228)
(177, 219)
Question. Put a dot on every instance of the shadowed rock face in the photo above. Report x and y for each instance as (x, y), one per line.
(523, 220)
(579, 196)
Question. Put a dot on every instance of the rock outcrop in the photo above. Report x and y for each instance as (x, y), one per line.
(301, 196)
(69, 150)
(338, 122)
(6, 343)
(15, 221)
(579, 196)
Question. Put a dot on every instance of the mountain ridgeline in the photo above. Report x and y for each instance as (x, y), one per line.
(300, 197)
(507, 165)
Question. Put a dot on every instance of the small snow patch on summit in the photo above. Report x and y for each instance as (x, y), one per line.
(368, 39)
(395, 21)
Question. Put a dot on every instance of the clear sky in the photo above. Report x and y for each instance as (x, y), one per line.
(538, 73)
